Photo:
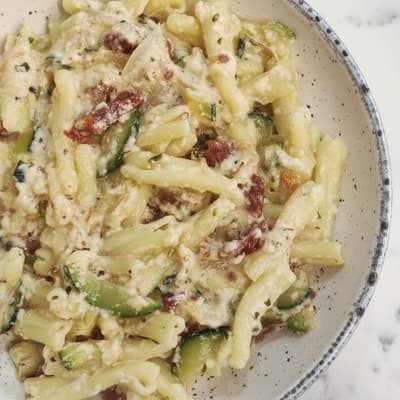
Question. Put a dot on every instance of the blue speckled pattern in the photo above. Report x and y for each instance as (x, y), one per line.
(385, 189)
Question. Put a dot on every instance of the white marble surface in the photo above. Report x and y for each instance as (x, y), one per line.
(369, 366)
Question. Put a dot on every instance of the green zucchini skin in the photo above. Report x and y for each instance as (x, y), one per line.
(114, 143)
(302, 322)
(77, 355)
(25, 141)
(32, 139)
(296, 294)
(106, 295)
(195, 350)
(12, 312)
(264, 124)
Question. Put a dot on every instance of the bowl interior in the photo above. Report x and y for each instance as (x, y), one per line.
(339, 108)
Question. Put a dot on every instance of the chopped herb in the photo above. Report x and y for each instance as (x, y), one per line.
(157, 291)
(155, 158)
(241, 47)
(66, 67)
(52, 60)
(281, 29)
(31, 40)
(179, 99)
(197, 152)
(19, 174)
(24, 67)
(215, 17)
(213, 111)
(169, 279)
(204, 137)
(91, 49)
(197, 292)
(136, 124)
(201, 144)
(142, 18)
(181, 62)
(32, 89)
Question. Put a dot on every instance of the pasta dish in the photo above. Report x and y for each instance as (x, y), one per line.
(164, 197)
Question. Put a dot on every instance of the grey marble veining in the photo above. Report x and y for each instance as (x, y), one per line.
(369, 366)
(378, 20)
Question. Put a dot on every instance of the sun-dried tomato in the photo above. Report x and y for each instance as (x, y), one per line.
(6, 136)
(256, 196)
(223, 58)
(216, 152)
(113, 394)
(76, 136)
(271, 327)
(118, 43)
(31, 245)
(101, 93)
(248, 242)
(171, 50)
(155, 214)
(170, 302)
(98, 121)
(191, 329)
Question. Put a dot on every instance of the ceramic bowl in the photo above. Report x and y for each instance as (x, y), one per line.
(332, 86)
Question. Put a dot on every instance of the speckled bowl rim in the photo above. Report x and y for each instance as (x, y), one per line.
(385, 189)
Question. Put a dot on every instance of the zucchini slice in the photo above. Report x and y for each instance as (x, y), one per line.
(114, 142)
(264, 124)
(78, 355)
(9, 312)
(24, 141)
(32, 139)
(302, 322)
(108, 296)
(193, 353)
(11, 267)
(296, 294)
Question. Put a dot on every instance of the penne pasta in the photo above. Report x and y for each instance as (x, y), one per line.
(163, 193)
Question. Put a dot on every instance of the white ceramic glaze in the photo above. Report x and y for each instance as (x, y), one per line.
(339, 99)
